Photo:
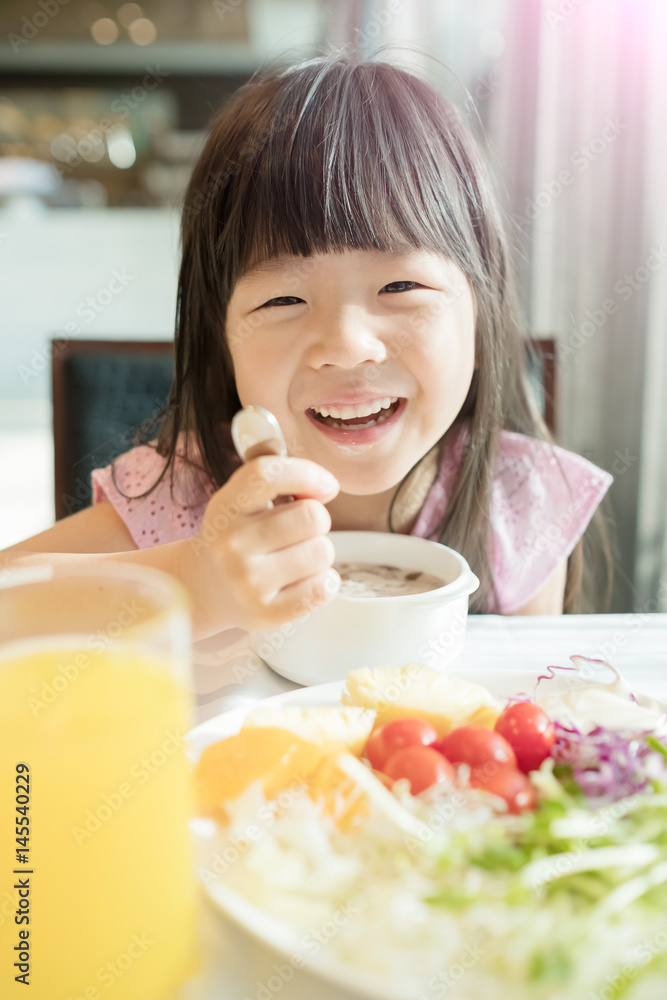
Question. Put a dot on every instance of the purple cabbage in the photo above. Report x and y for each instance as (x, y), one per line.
(609, 764)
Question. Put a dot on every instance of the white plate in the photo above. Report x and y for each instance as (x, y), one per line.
(267, 929)
(501, 684)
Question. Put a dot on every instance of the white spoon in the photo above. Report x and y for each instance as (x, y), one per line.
(255, 431)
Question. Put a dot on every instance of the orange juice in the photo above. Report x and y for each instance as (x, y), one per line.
(108, 879)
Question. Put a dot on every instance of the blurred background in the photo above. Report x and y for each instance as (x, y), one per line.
(102, 112)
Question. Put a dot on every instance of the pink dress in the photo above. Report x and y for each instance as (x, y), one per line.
(543, 498)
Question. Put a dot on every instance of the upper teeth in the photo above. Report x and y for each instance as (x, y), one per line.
(360, 410)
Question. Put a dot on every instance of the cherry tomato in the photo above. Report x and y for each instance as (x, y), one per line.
(421, 765)
(507, 783)
(530, 732)
(385, 740)
(475, 745)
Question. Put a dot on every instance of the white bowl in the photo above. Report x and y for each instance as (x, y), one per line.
(351, 632)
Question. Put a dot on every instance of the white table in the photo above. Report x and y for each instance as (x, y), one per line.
(228, 675)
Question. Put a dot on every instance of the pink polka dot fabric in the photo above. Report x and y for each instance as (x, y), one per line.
(543, 498)
(157, 518)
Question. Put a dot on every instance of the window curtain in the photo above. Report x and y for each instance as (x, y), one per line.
(568, 100)
(651, 553)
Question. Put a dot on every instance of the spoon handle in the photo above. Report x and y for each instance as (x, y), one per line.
(255, 432)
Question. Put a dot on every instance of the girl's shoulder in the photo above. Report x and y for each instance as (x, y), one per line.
(173, 510)
(528, 468)
(542, 500)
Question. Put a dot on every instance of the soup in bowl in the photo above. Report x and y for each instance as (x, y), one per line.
(402, 599)
(364, 579)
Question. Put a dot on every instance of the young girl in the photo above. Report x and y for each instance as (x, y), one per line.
(343, 266)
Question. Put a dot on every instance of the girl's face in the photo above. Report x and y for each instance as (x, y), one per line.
(364, 357)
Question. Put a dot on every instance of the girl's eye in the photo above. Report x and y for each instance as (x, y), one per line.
(292, 300)
(280, 301)
(392, 286)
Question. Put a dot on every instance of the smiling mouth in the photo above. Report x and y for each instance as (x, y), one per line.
(356, 423)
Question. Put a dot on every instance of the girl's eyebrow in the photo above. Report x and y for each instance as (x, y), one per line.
(266, 267)
(275, 265)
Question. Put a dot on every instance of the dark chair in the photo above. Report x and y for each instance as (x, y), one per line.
(104, 391)
(541, 357)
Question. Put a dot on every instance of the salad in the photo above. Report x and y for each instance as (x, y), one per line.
(443, 844)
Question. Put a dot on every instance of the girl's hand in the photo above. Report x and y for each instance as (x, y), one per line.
(255, 566)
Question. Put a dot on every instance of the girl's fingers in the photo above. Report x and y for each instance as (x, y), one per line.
(303, 597)
(269, 476)
(298, 562)
(284, 526)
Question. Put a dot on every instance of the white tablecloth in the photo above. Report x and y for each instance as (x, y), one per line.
(227, 675)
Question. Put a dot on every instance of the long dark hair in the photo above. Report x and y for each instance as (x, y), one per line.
(331, 154)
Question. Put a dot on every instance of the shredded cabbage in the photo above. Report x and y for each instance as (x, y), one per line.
(443, 895)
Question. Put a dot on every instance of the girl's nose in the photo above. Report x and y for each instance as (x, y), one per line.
(345, 341)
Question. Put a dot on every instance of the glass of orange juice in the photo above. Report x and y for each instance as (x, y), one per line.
(97, 891)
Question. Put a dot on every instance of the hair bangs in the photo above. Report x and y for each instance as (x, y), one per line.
(342, 157)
